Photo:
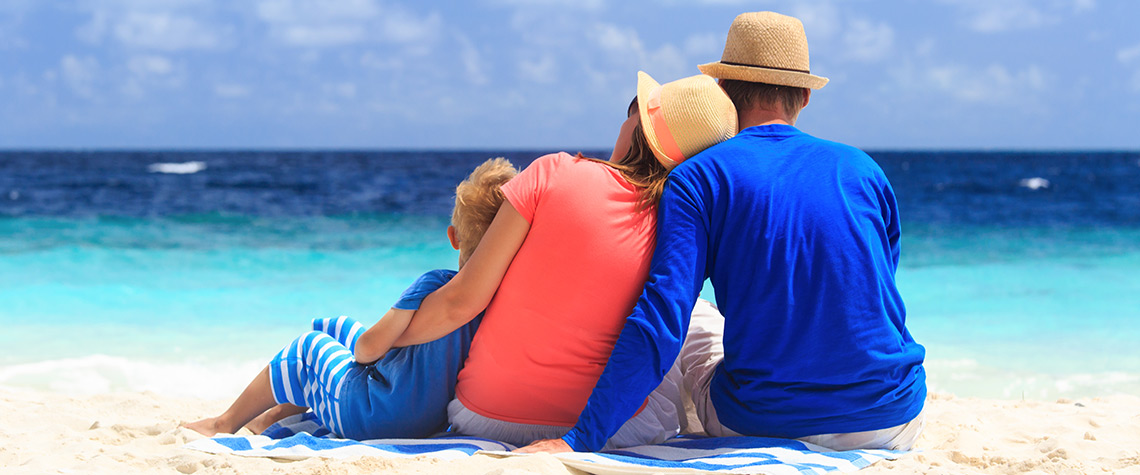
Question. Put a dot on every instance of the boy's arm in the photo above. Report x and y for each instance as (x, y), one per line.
(378, 339)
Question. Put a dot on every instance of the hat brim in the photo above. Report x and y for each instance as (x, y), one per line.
(646, 85)
(778, 77)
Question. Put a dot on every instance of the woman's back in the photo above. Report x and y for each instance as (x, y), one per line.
(549, 330)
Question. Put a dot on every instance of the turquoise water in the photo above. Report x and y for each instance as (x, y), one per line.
(1039, 314)
(236, 297)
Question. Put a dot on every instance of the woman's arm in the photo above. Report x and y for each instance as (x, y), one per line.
(379, 338)
(460, 300)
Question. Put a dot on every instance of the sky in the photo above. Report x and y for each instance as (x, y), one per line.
(548, 74)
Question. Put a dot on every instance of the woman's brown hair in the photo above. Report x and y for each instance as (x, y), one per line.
(639, 167)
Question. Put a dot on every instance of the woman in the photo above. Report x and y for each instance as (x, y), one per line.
(560, 267)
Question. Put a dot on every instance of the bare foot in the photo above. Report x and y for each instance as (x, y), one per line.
(207, 427)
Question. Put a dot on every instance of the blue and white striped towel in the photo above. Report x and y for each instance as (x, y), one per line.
(301, 437)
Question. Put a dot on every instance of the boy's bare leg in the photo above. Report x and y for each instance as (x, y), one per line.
(255, 400)
(274, 414)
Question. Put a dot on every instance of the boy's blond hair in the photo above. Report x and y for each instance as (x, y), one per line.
(477, 200)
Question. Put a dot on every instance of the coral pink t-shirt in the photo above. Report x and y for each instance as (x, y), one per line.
(550, 328)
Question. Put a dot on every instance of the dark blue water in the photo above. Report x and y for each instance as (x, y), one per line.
(1088, 189)
(118, 269)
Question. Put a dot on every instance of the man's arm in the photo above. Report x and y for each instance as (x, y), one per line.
(651, 339)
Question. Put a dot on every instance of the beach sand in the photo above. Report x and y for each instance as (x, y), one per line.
(138, 433)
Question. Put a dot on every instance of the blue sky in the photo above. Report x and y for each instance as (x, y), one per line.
(548, 74)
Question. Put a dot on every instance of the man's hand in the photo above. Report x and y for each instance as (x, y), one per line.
(547, 446)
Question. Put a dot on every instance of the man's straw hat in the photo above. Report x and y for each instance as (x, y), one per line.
(683, 117)
(766, 47)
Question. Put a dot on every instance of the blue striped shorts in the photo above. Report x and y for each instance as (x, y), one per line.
(311, 370)
(405, 394)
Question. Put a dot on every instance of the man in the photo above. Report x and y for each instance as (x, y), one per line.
(800, 237)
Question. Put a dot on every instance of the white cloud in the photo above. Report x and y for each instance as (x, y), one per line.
(322, 35)
(989, 16)
(708, 45)
(164, 31)
(231, 90)
(670, 63)
(313, 23)
(150, 65)
(993, 84)
(821, 20)
(94, 30)
(998, 17)
(297, 11)
(164, 26)
(344, 90)
(372, 60)
(864, 41)
(150, 71)
(403, 26)
(12, 43)
(472, 60)
(1127, 55)
(624, 46)
(618, 41)
(80, 74)
(541, 70)
(575, 4)
(1084, 5)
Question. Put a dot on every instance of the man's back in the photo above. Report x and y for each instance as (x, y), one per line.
(801, 245)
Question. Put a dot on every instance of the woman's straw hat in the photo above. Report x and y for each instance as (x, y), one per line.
(766, 47)
(683, 117)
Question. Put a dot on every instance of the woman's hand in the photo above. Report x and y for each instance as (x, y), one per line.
(546, 446)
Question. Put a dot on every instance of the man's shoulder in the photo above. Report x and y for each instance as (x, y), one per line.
(839, 147)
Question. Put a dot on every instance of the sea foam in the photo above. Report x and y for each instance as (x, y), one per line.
(967, 377)
(99, 374)
(184, 168)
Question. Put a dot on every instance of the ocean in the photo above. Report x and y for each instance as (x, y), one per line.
(183, 272)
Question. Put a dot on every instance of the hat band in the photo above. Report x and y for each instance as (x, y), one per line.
(730, 63)
(661, 130)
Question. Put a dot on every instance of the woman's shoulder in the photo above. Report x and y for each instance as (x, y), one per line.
(561, 161)
(556, 159)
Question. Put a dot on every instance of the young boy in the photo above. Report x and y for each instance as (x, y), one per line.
(360, 394)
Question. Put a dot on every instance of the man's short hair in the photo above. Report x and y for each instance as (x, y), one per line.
(477, 200)
(747, 95)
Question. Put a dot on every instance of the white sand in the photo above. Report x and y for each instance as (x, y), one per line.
(138, 433)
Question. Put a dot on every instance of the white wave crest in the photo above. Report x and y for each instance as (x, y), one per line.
(99, 374)
(1035, 183)
(177, 168)
(966, 377)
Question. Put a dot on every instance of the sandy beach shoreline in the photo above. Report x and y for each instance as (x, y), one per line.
(43, 432)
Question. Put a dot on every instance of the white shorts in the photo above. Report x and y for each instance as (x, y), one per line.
(703, 351)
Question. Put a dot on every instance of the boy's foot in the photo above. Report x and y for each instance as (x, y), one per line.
(207, 427)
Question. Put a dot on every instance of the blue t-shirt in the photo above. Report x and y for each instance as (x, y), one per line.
(405, 393)
(800, 237)
(431, 281)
